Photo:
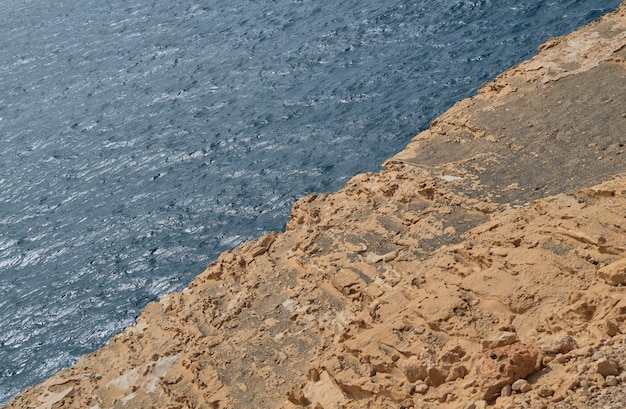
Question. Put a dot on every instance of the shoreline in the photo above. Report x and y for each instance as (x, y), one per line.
(498, 231)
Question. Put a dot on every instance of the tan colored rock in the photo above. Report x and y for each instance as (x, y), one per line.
(506, 391)
(457, 372)
(614, 273)
(436, 376)
(611, 328)
(504, 365)
(414, 369)
(521, 385)
(545, 392)
(611, 380)
(421, 387)
(606, 367)
(558, 346)
(503, 338)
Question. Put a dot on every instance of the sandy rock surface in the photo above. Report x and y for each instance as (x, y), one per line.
(484, 266)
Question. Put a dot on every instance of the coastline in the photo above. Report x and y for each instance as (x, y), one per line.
(497, 231)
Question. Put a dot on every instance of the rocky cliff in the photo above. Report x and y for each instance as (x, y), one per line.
(485, 265)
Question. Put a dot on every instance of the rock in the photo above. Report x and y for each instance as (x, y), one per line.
(505, 365)
(554, 346)
(521, 385)
(503, 339)
(436, 376)
(452, 356)
(545, 392)
(479, 404)
(457, 372)
(421, 387)
(442, 396)
(611, 380)
(622, 377)
(611, 328)
(606, 367)
(614, 273)
(525, 388)
(414, 369)
(506, 391)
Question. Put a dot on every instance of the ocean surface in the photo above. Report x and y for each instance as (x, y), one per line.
(141, 138)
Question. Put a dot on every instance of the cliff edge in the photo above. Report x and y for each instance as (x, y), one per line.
(484, 266)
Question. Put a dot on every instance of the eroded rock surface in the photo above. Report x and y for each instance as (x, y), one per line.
(500, 231)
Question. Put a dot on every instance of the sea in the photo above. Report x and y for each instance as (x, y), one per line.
(141, 138)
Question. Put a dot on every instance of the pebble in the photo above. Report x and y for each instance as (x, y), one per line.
(605, 367)
(545, 392)
(421, 387)
(521, 385)
(562, 345)
(479, 404)
(506, 391)
(611, 380)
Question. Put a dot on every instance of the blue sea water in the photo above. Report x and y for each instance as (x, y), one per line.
(141, 138)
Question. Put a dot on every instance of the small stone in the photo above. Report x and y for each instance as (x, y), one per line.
(614, 273)
(414, 369)
(369, 370)
(545, 392)
(479, 404)
(611, 380)
(606, 367)
(442, 396)
(506, 391)
(622, 377)
(436, 376)
(457, 372)
(503, 339)
(421, 387)
(560, 358)
(518, 384)
(562, 345)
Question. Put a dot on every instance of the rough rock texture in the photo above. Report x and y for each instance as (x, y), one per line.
(504, 365)
(504, 222)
